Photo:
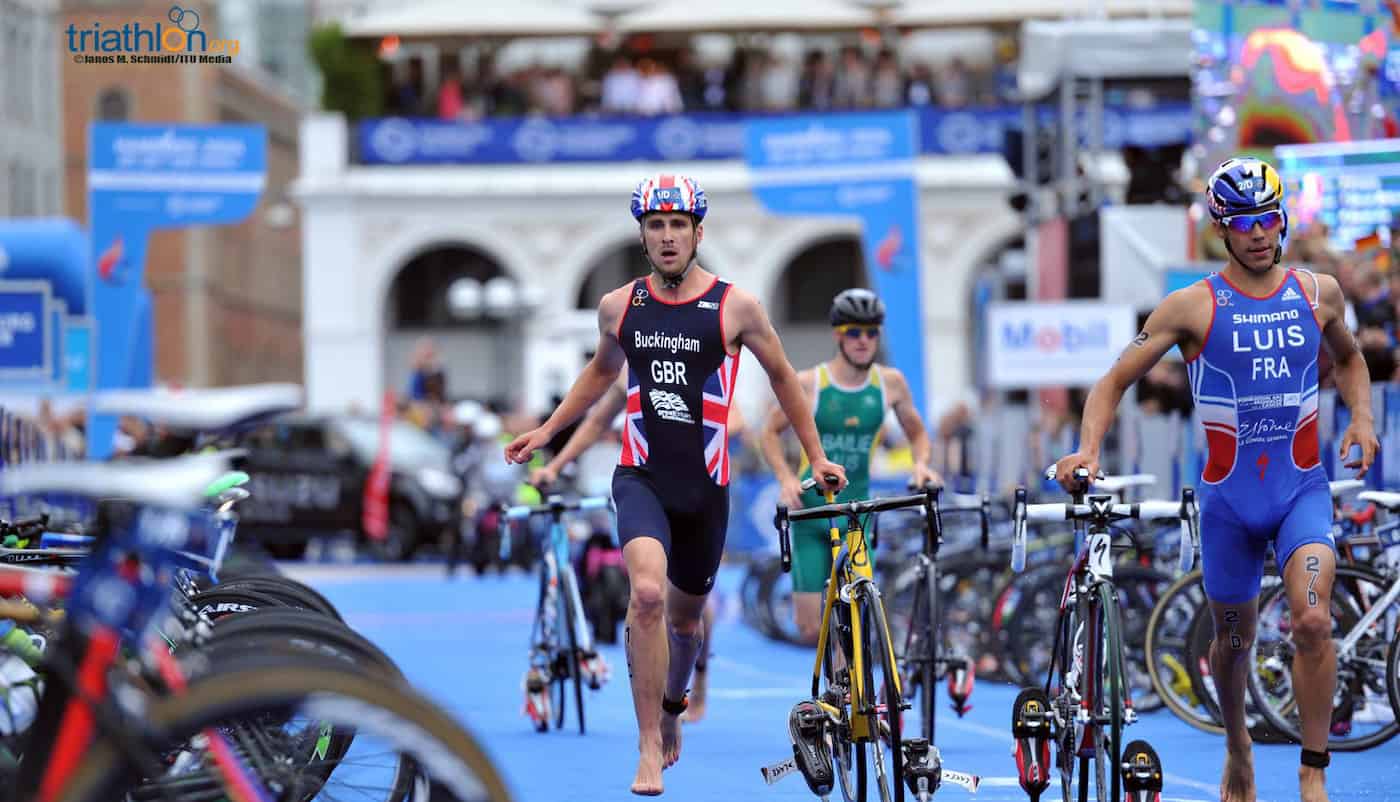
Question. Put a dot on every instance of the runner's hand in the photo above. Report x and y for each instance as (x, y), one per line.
(823, 468)
(523, 447)
(925, 476)
(790, 493)
(1064, 470)
(544, 477)
(1363, 434)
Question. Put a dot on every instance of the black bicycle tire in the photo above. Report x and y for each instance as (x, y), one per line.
(1392, 671)
(1185, 584)
(1005, 624)
(565, 595)
(274, 681)
(1285, 725)
(1111, 624)
(219, 602)
(878, 642)
(284, 587)
(287, 623)
(1020, 630)
(841, 741)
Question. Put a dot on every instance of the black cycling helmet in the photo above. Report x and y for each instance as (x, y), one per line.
(857, 306)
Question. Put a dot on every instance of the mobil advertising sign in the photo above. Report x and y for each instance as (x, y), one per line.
(1054, 344)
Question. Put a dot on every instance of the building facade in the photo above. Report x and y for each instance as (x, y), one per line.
(226, 299)
(561, 235)
(31, 154)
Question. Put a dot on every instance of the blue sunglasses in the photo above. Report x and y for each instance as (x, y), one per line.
(1244, 223)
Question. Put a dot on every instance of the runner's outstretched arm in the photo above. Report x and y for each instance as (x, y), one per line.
(1167, 326)
(595, 423)
(771, 444)
(1353, 378)
(755, 332)
(597, 375)
(920, 447)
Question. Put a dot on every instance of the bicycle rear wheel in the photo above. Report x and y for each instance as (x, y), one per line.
(1362, 714)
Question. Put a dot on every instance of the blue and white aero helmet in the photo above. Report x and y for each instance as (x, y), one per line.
(1243, 185)
(669, 192)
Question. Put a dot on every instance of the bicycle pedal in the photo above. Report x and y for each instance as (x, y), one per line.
(923, 767)
(807, 727)
(1031, 726)
(1142, 773)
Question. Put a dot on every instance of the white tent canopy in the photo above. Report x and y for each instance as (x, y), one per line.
(1138, 48)
(747, 15)
(457, 19)
(946, 13)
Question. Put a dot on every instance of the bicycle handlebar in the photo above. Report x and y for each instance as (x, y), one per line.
(1102, 510)
(553, 505)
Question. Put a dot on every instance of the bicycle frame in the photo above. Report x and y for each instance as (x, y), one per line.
(850, 566)
(556, 563)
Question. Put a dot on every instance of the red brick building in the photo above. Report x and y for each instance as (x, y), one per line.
(227, 299)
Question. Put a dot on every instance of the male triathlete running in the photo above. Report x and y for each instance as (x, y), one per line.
(850, 394)
(595, 424)
(1251, 336)
(679, 331)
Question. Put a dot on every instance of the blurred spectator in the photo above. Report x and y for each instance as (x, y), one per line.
(691, 80)
(778, 84)
(1165, 390)
(817, 82)
(1377, 350)
(954, 85)
(852, 89)
(920, 89)
(657, 92)
(886, 83)
(621, 86)
(1374, 305)
(449, 99)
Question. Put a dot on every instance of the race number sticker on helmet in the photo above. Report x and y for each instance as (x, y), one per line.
(1243, 185)
(669, 192)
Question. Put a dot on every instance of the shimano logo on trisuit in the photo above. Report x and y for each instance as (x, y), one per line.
(1266, 317)
(666, 342)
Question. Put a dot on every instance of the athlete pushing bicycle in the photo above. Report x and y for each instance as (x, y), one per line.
(1251, 335)
(679, 331)
(849, 394)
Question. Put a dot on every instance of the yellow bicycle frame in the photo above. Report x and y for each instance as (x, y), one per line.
(858, 565)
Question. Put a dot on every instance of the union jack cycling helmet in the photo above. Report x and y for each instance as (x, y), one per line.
(669, 192)
(1242, 185)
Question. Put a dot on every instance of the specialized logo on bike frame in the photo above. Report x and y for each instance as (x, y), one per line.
(657, 341)
(669, 406)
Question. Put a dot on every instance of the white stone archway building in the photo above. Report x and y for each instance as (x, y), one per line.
(546, 225)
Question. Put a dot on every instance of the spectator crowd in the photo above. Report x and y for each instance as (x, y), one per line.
(652, 84)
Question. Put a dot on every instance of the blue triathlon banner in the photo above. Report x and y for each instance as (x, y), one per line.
(710, 135)
(861, 166)
(142, 178)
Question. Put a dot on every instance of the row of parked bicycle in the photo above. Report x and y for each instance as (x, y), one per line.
(146, 659)
(1124, 632)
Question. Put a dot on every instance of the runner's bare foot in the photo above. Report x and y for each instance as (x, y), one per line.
(1237, 779)
(648, 781)
(696, 710)
(670, 740)
(1312, 784)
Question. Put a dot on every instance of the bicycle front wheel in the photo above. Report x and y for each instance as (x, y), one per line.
(271, 711)
(884, 704)
(1110, 690)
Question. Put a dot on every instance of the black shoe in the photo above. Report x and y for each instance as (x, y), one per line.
(1142, 773)
(807, 726)
(1031, 722)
